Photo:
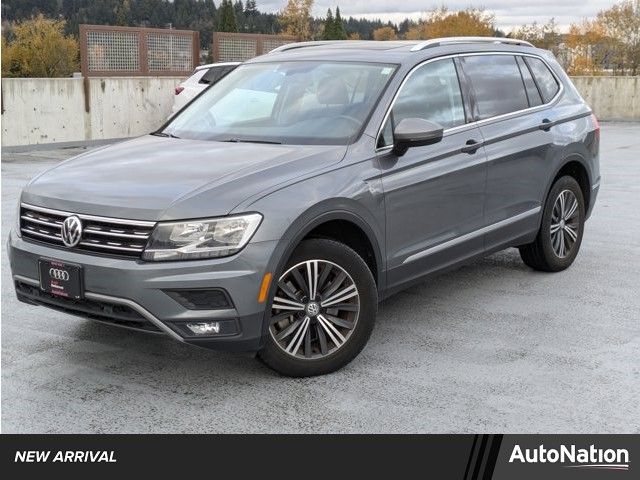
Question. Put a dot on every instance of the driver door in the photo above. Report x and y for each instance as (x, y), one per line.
(434, 194)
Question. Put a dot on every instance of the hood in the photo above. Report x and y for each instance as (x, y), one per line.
(156, 178)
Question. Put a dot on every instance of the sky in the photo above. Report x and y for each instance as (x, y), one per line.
(509, 13)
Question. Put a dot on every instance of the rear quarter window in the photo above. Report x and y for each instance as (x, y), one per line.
(547, 83)
(497, 84)
(530, 85)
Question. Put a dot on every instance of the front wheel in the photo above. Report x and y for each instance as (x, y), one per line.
(558, 241)
(322, 312)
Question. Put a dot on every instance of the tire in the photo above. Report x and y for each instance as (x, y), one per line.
(339, 323)
(545, 253)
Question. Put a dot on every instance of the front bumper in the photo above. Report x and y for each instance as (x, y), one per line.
(138, 290)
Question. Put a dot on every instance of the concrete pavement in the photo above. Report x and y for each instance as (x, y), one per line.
(490, 347)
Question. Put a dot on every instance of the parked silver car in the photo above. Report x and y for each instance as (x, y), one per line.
(279, 208)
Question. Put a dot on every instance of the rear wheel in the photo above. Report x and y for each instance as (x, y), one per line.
(558, 241)
(323, 310)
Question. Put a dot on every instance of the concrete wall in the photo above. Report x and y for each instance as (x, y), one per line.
(48, 110)
(611, 98)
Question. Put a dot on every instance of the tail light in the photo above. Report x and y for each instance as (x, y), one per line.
(596, 124)
(179, 89)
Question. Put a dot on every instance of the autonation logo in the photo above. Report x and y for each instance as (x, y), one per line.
(573, 457)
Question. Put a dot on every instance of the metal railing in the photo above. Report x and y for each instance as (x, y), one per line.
(130, 51)
(238, 47)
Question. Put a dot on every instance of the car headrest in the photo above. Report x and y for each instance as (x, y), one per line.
(332, 91)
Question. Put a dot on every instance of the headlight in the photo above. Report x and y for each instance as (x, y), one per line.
(216, 237)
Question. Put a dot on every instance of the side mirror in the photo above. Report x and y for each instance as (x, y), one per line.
(415, 132)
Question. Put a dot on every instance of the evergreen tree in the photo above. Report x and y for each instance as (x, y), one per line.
(329, 27)
(340, 32)
(250, 8)
(227, 17)
(123, 13)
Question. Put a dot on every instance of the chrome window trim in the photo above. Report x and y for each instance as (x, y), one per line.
(93, 218)
(476, 123)
(471, 235)
(117, 300)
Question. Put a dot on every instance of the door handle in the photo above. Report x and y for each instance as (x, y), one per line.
(546, 125)
(471, 146)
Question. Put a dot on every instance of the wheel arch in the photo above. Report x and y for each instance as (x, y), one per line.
(576, 167)
(322, 223)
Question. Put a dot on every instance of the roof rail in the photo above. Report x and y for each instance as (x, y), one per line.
(293, 46)
(437, 42)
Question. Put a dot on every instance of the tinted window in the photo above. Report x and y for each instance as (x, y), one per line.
(497, 84)
(214, 74)
(547, 83)
(432, 92)
(532, 91)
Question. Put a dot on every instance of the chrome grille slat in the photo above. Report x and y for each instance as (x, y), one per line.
(41, 235)
(114, 234)
(41, 222)
(112, 247)
(101, 235)
(91, 218)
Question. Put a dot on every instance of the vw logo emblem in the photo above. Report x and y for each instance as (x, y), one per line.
(71, 231)
(313, 309)
(59, 274)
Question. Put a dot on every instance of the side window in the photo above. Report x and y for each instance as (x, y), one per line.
(432, 92)
(547, 83)
(497, 84)
(529, 84)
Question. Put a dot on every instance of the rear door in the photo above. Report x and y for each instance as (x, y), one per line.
(434, 194)
(510, 110)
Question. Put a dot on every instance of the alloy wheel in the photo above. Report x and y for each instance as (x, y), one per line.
(565, 223)
(315, 309)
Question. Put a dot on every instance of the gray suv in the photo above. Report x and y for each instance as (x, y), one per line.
(277, 209)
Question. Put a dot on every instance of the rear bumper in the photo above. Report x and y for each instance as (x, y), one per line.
(132, 293)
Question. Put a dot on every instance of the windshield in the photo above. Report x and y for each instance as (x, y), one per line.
(317, 103)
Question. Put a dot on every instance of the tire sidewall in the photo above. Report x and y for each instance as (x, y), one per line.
(354, 265)
(556, 263)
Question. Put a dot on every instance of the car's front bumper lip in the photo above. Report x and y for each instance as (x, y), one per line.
(114, 300)
(141, 286)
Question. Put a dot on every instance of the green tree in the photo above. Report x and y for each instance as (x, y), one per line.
(340, 32)
(227, 17)
(123, 13)
(39, 48)
(329, 32)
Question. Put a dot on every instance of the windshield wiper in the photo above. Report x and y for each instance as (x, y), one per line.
(245, 140)
(163, 134)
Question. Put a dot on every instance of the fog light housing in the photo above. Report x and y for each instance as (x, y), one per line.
(204, 328)
(207, 327)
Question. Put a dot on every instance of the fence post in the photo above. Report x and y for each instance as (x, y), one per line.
(196, 49)
(143, 39)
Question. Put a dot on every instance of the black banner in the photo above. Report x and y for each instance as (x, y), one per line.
(460, 457)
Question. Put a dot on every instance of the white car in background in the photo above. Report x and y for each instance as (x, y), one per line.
(201, 78)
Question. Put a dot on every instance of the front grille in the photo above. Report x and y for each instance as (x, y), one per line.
(112, 313)
(99, 234)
